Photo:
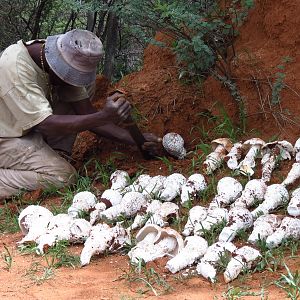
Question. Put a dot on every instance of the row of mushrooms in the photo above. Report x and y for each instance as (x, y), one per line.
(150, 202)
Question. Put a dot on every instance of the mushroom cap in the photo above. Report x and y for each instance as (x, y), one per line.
(225, 142)
(254, 141)
(297, 146)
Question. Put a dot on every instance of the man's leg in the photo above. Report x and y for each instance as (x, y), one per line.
(29, 163)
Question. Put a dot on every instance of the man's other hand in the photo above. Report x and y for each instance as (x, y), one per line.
(117, 108)
(152, 144)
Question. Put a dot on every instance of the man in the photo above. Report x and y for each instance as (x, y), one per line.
(45, 89)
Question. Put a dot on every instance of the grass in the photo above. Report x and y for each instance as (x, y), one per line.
(234, 293)
(148, 279)
(7, 258)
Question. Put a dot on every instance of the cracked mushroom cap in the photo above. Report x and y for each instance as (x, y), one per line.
(285, 147)
(225, 142)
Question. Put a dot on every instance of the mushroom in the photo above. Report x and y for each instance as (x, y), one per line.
(154, 242)
(33, 222)
(82, 202)
(138, 185)
(294, 205)
(234, 155)
(194, 185)
(194, 248)
(207, 267)
(238, 218)
(108, 198)
(276, 195)
(119, 180)
(197, 214)
(293, 175)
(242, 258)
(215, 216)
(264, 226)
(254, 190)
(174, 145)
(248, 163)
(297, 151)
(214, 160)
(154, 186)
(131, 203)
(172, 187)
(273, 152)
(101, 239)
(289, 228)
(228, 190)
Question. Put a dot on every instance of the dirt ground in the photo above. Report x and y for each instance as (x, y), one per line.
(270, 35)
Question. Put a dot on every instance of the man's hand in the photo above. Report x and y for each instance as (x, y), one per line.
(117, 108)
(152, 144)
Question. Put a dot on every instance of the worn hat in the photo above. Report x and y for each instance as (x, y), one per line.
(74, 55)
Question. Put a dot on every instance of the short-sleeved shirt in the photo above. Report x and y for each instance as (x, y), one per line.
(25, 94)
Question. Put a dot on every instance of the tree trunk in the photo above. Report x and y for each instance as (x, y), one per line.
(91, 20)
(38, 16)
(111, 44)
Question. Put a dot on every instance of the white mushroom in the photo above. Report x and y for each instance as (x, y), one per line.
(131, 203)
(138, 185)
(172, 187)
(57, 230)
(174, 145)
(79, 230)
(264, 226)
(108, 198)
(194, 185)
(82, 202)
(297, 151)
(119, 180)
(276, 195)
(33, 222)
(102, 238)
(154, 186)
(248, 163)
(238, 218)
(228, 190)
(215, 216)
(214, 160)
(294, 205)
(234, 155)
(194, 248)
(207, 267)
(272, 153)
(243, 258)
(289, 228)
(254, 190)
(154, 242)
(197, 214)
(293, 174)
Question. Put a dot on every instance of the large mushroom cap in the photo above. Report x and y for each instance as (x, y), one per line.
(225, 142)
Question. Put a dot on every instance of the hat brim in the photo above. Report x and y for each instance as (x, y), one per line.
(63, 70)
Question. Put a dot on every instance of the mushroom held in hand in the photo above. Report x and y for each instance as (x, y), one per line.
(254, 190)
(229, 189)
(264, 226)
(238, 218)
(174, 145)
(82, 202)
(294, 205)
(207, 267)
(289, 228)
(273, 152)
(194, 248)
(194, 185)
(248, 163)
(214, 160)
(243, 258)
(234, 155)
(276, 195)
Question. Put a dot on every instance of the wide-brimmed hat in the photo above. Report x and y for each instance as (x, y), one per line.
(74, 55)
